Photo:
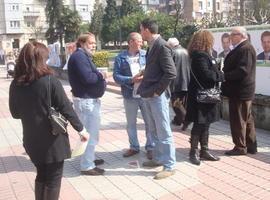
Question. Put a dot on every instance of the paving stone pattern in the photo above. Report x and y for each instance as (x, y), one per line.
(239, 178)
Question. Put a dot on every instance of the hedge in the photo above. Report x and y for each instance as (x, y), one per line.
(101, 58)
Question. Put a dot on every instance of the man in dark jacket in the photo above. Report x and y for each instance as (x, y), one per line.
(179, 86)
(154, 88)
(88, 84)
(239, 86)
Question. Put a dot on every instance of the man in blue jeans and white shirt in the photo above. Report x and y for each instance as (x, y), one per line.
(127, 67)
(88, 84)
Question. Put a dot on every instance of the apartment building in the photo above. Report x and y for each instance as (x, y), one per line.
(24, 20)
(150, 5)
(21, 21)
(197, 9)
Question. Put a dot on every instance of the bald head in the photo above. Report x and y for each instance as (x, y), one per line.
(134, 36)
(134, 42)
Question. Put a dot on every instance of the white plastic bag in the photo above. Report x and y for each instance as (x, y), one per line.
(79, 148)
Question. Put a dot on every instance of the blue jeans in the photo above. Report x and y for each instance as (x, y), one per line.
(131, 108)
(88, 110)
(159, 125)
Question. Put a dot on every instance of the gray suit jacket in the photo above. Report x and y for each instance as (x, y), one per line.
(159, 71)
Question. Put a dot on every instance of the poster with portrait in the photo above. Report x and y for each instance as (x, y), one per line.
(259, 37)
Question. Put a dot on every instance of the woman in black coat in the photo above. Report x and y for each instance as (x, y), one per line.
(204, 68)
(28, 101)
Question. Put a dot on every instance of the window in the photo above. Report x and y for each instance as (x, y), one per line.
(208, 4)
(218, 6)
(14, 24)
(30, 23)
(27, 9)
(83, 8)
(200, 5)
(14, 7)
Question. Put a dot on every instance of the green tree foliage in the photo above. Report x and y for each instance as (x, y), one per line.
(131, 23)
(130, 6)
(53, 13)
(184, 35)
(165, 22)
(96, 20)
(70, 24)
(111, 15)
(85, 28)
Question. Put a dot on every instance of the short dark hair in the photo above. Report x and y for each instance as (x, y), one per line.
(151, 25)
(264, 34)
(31, 63)
(225, 35)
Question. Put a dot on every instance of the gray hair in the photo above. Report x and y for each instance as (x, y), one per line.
(172, 42)
(133, 36)
(242, 30)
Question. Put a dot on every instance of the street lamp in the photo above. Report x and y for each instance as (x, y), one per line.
(118, 5)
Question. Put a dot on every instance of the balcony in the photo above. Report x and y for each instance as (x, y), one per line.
(31, 13)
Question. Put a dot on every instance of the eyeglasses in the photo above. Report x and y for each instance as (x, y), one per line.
(234, 34)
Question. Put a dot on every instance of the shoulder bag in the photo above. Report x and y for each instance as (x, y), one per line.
(57, 120)
(209, 95)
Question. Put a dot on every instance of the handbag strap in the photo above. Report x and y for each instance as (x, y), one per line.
(49, 91)
(196, 78)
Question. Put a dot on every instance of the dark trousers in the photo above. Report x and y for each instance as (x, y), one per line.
(200, 129)
(242, 123)
(50, 174)
(179, 103)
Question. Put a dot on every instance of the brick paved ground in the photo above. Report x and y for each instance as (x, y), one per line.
(241, 178)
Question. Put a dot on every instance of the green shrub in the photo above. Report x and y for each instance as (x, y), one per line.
(101, 59)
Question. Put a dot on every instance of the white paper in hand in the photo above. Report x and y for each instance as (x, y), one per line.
(79, 148)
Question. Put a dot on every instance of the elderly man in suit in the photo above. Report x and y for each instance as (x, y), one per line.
(179, 86)
(239, 86)
(154, 88)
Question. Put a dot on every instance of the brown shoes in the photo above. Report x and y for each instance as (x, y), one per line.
(236, 152)
(149, 154)
(130, 152)
(93, 172)
(164, 174)
(151, 164)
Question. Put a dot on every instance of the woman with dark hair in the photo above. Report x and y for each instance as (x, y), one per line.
(28, 101)
(203, 68)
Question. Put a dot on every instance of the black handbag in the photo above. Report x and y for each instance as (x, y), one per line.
(57, 120)
(209, 95)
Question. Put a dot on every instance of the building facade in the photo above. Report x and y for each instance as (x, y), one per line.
(21, 21)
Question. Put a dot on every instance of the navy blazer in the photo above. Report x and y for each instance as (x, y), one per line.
(85, 80)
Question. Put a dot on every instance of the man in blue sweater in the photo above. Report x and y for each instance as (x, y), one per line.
(88, 84)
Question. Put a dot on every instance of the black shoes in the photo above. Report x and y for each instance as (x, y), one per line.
(206, 155)
(149, 154)
(236, 152)
(93, 172)
(99, 162)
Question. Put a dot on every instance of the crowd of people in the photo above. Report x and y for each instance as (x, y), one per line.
(149, 81)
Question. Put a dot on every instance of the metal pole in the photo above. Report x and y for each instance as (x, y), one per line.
(120, 31)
